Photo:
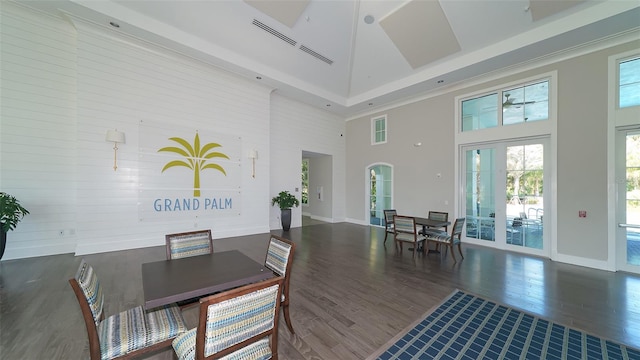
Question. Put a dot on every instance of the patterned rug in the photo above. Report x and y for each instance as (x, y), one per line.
(468, 327)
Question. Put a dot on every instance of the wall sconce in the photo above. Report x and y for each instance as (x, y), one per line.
(253, 155)
(116, 137)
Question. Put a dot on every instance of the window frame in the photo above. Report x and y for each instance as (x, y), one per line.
(374, 131)
(499, 92)
(633, 57)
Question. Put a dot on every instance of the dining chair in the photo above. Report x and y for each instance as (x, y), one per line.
(185, 244)
(405, 231)
(388, 222)
(440, 237)
(127, 334)
(237, 324)
(440, 216)
(279, 259)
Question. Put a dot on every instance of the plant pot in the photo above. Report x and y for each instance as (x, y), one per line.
(3, 242)
(285, 218)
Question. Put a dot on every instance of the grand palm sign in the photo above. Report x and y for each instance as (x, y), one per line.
(196, 158)
(188, 174)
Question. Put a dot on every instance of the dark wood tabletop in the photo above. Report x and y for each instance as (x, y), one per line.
(168, 281)
(426, 222)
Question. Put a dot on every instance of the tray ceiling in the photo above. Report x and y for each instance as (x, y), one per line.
(350, 57)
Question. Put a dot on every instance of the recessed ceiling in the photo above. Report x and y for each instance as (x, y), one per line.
(351, 53)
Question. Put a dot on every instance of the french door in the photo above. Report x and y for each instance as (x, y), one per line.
(379, 192)
(628, 204)
(504, 194)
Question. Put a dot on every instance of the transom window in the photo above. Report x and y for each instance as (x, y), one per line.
(379, 130)
(629, 83)
(513, 105)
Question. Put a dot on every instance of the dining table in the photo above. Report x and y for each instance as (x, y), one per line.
(169, 281)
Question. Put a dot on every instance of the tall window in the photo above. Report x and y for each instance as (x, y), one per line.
(629, 83)
(305, 181)
(514, 105)
(379, 130)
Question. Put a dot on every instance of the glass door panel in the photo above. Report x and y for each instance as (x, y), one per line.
(480, 175)
(629, 200)
(525, 206)
(380, 186)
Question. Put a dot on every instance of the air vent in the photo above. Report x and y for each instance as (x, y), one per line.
(316, 55)
(274, 32)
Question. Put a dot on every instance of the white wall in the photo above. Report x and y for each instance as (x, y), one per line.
(581, 151)
(38, 129)
(297, 127)
(64, 84)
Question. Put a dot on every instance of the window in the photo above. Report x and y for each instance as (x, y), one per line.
(629, 83)
(519, 104)
(379, 130)
(525, 103)
(480, 113)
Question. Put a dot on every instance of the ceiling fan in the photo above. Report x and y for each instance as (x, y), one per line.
(509, 102)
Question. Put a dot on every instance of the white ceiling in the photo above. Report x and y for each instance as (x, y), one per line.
(407, 48)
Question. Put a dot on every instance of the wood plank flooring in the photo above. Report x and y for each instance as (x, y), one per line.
(349, 293)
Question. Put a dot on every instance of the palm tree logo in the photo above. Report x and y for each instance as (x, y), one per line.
(196, 158)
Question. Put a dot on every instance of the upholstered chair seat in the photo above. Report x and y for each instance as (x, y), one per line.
(447, 239)
(129, 333)
(237, 324)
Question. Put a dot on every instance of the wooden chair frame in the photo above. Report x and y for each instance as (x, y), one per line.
(456, 232)
(234, 293)
(388, 222)
(168, 238)
(92, 330)
(400, 231)
(287, 277)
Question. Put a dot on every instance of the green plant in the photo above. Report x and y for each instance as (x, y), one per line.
(11, 212)
(285, 200)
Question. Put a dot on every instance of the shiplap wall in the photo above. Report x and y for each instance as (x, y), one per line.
(38, 129)
(121, 83)
(295, 128)
(66, 82)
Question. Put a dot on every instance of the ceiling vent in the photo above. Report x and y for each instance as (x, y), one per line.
(316, 55)
(274, 32)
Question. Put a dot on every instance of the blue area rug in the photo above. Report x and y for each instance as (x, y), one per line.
(468, 327)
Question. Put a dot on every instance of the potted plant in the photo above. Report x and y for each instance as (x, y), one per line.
(285, 201)
(11, 212)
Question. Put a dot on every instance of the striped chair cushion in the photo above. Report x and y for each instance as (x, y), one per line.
(259, 350)
(185, 348)
(185, 345)
(235, 320)
(164, 323)
(90, 285)
(122, 333)
(405, 225)
(278, 256)
(189, 245)
(134, 329)
(232, 321)
(440, 236)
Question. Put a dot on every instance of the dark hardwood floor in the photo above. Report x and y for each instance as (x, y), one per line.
(349, 293)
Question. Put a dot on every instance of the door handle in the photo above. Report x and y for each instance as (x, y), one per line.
(634, 226)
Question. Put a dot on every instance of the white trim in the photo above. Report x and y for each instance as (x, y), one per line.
(503, 134)
(513, 70)
(367, 192)
(374, 132)
(616, 118)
